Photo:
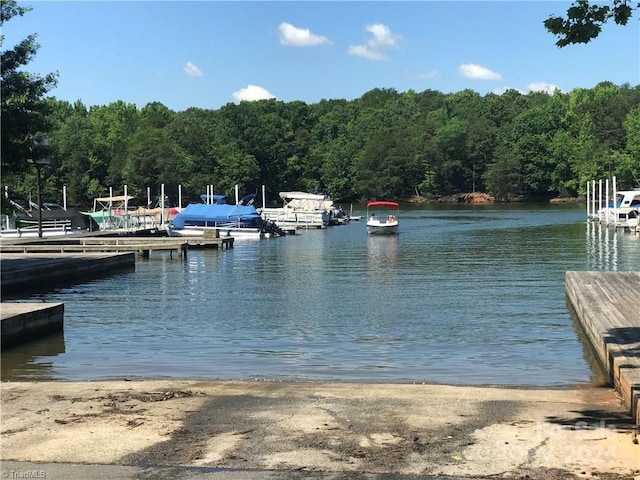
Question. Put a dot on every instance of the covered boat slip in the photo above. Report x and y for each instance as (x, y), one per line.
(607, 305)
(116, 213)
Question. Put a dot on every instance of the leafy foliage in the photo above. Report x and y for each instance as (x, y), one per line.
(393, 145)
(584, 20)
(24, 109)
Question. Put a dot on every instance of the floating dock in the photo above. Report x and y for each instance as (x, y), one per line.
(607, 305)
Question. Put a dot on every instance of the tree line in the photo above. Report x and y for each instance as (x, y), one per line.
(385, 144)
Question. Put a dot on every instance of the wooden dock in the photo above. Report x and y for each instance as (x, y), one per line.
(607, 305)
(143, 246)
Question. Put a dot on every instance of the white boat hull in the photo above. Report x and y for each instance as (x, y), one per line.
(375, 227)
(222, 232)
(46, 233)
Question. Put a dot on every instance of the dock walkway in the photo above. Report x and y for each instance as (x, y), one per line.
(608, 307)
(142, 245)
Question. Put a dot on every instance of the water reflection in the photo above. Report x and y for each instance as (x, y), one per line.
(382, 253)
(34, 360)
(611, 249)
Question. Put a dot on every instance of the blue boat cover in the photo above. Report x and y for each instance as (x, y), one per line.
(200, 214)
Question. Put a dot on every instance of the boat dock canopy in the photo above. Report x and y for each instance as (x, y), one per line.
(383, 204)
(301, 196)
(117, 198)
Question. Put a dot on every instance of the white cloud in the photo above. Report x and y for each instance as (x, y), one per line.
(542, 87)
(501, 90)
(382, 38)
(193, 71)
(478, 72)
(251, 93)
(365, 52)
(299, 37)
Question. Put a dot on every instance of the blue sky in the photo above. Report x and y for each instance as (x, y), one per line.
(208, 53)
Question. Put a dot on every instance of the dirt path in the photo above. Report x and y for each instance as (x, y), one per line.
(407, 429)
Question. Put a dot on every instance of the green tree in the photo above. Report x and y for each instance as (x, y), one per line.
(503, 177)
(631, 164)
(584, 20)
(24, 109)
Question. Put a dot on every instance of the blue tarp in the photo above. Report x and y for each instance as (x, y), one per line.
(199, 214)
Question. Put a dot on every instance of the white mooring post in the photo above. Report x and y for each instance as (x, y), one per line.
(162, 216)
(64, 197)
(179, 197)
(126, 209)
(615, 203)
(600, 199)
(264, 193)
(593, 198)
(607, 209)
(588, 203)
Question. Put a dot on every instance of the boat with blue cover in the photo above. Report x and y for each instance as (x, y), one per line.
(222, 219)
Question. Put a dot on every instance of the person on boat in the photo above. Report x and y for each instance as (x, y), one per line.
(391, 219)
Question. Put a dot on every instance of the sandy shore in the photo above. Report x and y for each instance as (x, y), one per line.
(371, 428)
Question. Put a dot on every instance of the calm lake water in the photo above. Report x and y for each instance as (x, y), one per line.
(463, 295)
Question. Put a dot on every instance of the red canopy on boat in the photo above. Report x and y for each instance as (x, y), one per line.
(383, 204)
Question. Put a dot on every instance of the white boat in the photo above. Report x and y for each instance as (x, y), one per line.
(114, 213)
(624, 212)
(221, 219)
(300, 210)
(50, 223)
(379, 220)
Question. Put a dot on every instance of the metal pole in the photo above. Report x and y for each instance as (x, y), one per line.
(38, 181)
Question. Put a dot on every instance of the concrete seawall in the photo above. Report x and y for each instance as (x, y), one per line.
(23, 322)
(25, 273)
